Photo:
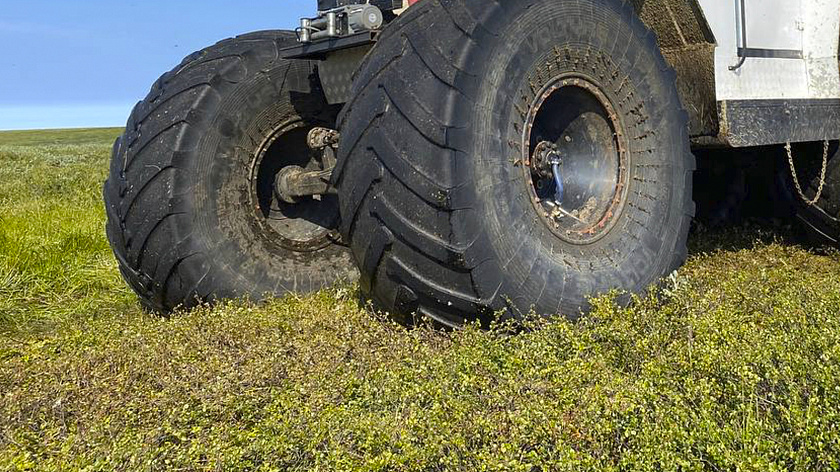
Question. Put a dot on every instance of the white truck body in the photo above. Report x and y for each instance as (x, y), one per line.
(799, 42)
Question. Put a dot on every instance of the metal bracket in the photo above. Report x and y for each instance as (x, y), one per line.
(319, 50)
(745, 51)
(294, 182)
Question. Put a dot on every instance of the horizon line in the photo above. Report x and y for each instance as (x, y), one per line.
(64, 116)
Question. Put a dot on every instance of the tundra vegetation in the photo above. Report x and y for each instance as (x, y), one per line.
(733, 365)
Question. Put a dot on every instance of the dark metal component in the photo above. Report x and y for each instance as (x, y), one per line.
(325, 141)
(540, 165)
(573, 124)
(545, 164)
(307, 224)
(762, 122)
(319, 50)
(319, 138)
(295, 182)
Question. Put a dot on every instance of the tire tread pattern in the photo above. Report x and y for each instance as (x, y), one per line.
(401, 203)
(146, 211)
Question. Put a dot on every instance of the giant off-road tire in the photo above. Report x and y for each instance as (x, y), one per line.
(192, 216)
(820, 218)
(445, 199)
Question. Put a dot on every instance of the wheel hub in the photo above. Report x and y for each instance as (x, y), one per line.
(576, 159)
(293, 201)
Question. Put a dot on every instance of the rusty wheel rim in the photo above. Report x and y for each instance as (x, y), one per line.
(573, 121)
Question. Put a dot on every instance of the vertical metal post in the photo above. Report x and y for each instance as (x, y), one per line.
(741, 32)
(332, 24)
(305, 30)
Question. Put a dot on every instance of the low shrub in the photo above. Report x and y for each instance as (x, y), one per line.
(733, 365)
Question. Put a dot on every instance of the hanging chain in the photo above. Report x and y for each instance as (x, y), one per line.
(796, 179)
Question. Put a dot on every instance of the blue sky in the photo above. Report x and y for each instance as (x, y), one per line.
(81, 63)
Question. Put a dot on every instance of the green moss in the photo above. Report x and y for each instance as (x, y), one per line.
(734, 365)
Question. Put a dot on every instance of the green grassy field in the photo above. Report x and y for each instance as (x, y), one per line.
(735, 367)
